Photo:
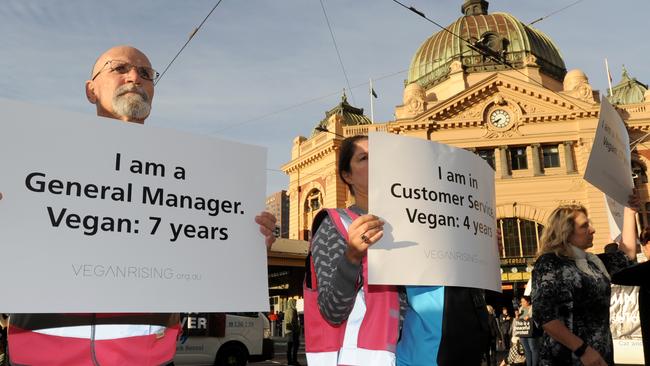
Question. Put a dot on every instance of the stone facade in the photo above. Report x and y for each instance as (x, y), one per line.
(535, 130)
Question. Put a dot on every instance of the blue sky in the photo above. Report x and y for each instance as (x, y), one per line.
(265, 71)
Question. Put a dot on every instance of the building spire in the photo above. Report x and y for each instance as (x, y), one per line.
(475, 7)
(625, 75)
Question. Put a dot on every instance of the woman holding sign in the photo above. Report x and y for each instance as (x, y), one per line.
(349, 322)
(530, 342)
(571, 287)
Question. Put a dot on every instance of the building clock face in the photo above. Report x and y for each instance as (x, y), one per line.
(499, 118)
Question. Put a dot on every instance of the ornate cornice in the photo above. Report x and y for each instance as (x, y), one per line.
(467, 109)
(313, 156)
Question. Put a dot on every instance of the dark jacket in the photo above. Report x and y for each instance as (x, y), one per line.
(505, 324)
(465, 327)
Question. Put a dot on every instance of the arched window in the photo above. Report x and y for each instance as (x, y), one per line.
(520, 237)
(311, 205)
(314, 201)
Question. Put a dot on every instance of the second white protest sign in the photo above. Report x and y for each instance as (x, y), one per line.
(609, 165)
(438, 203)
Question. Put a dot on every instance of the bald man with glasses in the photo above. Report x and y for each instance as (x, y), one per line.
(121, 84)
(121, 87)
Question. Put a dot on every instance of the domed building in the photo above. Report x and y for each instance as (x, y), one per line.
(500, 35)
(500, 88)
(628, 91)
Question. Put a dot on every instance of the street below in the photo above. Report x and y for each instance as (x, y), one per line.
(280, 349)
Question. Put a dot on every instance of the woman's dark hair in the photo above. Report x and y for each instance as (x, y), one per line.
(527, 298)
(348, 147)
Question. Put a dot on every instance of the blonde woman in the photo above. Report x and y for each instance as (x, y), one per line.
(571, 287)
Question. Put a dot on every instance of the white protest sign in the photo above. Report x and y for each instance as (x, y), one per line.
(99, 215)
(615, 212)
(438, 203)
(608, 168)
(625, 325)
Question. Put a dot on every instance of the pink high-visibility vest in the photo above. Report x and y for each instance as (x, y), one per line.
(368, 336)
(82, 338)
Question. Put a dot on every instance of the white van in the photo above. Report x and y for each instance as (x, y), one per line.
(222, 339)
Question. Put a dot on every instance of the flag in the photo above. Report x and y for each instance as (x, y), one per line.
(372, 103)
(609, 76)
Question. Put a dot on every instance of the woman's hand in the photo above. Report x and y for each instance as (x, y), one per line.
(266, 221)
(365, 231)
(592, 358)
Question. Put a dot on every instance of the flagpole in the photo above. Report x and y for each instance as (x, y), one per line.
(609, 77)
(372, 103)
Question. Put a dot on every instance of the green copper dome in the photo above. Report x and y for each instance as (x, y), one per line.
(502, 33)
(350, 116)
(628, 91)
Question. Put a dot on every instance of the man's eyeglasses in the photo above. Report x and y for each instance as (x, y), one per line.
(122, 67)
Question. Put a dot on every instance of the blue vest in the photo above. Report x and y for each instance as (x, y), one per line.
(422, 329)
(444, 326)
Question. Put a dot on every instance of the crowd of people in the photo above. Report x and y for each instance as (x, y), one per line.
(349, 321)
(346, 319)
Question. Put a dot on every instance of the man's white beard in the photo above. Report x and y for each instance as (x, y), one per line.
(132, 105)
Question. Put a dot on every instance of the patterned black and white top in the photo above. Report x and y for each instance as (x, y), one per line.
(561, 291)
(337, 277)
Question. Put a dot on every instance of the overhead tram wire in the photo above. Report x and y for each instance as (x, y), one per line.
(319, 129)
(421, 14)
(316, 173)
(639, 141)
(416, 11)
(254, 119)
(196, 30)
(554, 12)
(482, 50)
(336, 47)
(315, 99)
